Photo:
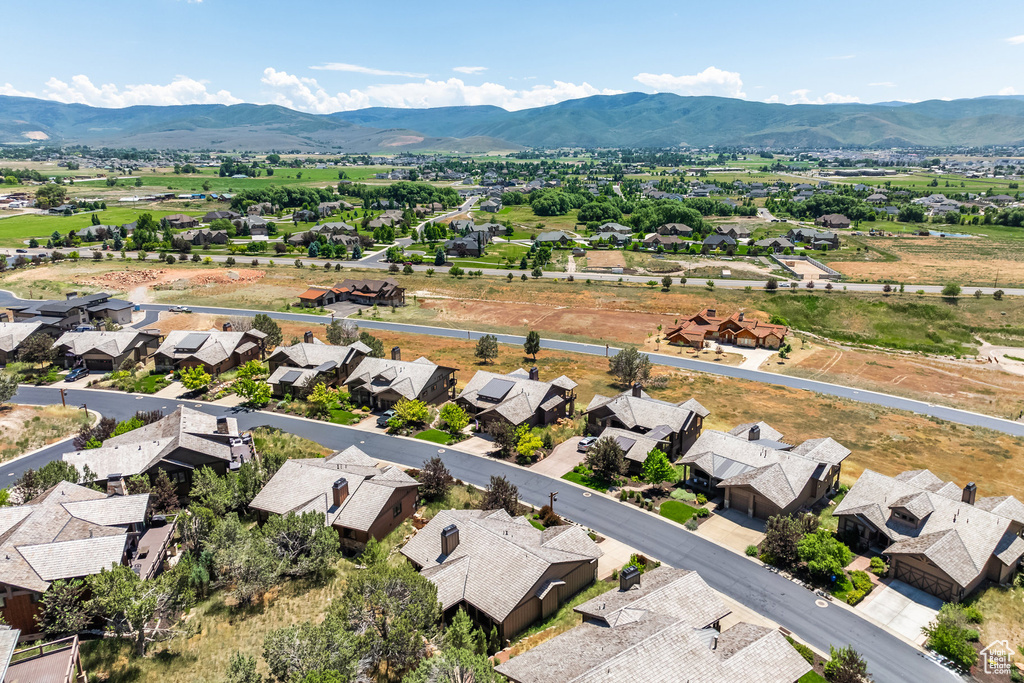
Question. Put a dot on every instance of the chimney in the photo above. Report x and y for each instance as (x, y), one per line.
(70, 295)
(629, 577)
(714, 642)
(396, 353)
(638, 390)
(449, 539)
(115, 485)
(308, 337)
(222, 425)
(712, 313)
(741, 316)
(340, 491)
(970, 493)
(535, 374)
(227, 326)
(754, 433)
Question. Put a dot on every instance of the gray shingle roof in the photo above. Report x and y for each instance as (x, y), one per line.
(646, 412)
(957, 537)
(109, 343)
(493, 544)
(379, 375)
(13, 334)
(520, 397)
(216, 347)
(306, 355)
(661, 631)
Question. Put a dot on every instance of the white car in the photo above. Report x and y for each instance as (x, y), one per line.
(180, 309)
(585, 443)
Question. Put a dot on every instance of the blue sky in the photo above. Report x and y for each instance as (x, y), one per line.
(329, 56)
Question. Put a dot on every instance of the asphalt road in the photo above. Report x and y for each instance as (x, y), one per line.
(890, 659)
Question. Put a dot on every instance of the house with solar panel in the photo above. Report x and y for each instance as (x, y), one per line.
(518, 398)
(216, 351)
(380, 383)
(758, 473)
(75, 311)
(637, 421)
(311, 362)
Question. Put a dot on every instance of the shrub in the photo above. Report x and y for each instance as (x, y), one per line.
(949, 635)
(878, 566)
(861, 581)
(701, 499)
(691, 524)
(854, 596)
(751, 551)
(702, 512)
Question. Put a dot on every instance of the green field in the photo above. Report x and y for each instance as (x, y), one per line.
(494, 256)
(677, 511)
(16, 230)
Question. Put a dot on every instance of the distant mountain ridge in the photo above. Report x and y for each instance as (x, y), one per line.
(626, 120)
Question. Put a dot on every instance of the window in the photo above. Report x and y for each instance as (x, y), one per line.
(397, 510)
(3, 602)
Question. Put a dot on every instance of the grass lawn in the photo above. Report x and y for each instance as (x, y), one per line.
(812, 677)
(150, 384)
(677, 511)
(826, 518)
(273, 440)
(344, 417)
(15, 230)
(587, 479)
(435, 436)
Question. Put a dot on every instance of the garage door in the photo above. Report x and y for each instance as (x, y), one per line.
(927, 582)
(739, 500)
(99, 364)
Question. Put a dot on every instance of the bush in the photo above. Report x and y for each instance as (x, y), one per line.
(701, 499)
(691, 524)
(702, 512)
(854, 596)
(949, 635)
(878, 566)
(805, 652)
(861, 581)
(751, 551)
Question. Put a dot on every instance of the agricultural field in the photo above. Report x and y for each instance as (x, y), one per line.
(16, 230)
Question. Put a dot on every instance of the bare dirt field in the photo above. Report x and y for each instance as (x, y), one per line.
(927, 260)
(600, 258)
(26, 428)
(807, 270)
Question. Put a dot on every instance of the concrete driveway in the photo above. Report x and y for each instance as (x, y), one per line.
(732, 529)
(901, 607)
(562, 459)
(752, 358)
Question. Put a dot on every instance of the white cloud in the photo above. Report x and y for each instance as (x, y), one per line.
(355, 68)
(710, 81)
(1016, 40)
(801, 97)
(882, 84)
(839, 57)
(307, 95)
(1008, 90)
(182, 90)
(469, 69)
(8, 89)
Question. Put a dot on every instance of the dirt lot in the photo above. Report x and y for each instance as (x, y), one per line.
(807, 270)
(927, 260)
(26, 428)
(600, 258)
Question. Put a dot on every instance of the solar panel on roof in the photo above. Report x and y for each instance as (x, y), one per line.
(291, 376)
(625, 443)
(495, 390)
(326, 366)
(193, 341)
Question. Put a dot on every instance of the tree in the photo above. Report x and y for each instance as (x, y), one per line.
(950, 634)
(435, 479)
(529, 443)
(376, 345)
(454, 417)
(394, 612)
(414, 411)
(38, 349)
(211, 491)
(439, 256)
(34, 482)
(487, 348)
(997, 295)
(303, 544)
(8, 386)
(781, 538)
(455, 665)
(772, 284)
(62, 609)
(825, 555)
(606, 458)
(532, 344)
(631, 367)
(951, 289)
(245, 561)
(537, 272)
(163, 496)
(666, 282)
(295, 653)
(501, 494)
(504, 436)
(321, 400)
(254, 392)
(657, 467)
(264, 323)
(195, 378)
(242, 669)
(252, 369)
(846, 666)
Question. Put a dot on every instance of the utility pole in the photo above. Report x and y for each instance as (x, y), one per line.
(63, 403)
(552, 497)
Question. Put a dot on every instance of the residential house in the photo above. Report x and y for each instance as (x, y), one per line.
(491, 206)
(833, 221)
(221, 215)
(204, 237)
(382, 292)
(615, 227)
(776, 244)
(675, 426)
(734, 230)
(736, 329)
(490, 229)
(662, 626)
(678, 229)
(470, 245)
(462, 226)
(655, 240)
(358, 497)
(553, 238)
(215, 351)
(75, 311)
(181, 220)
(504, 572)
(179, 444)
(716, 241)
(877, 198)
(67, 532)
(518, 398)
(938, 537)
(815, 238)
(617, 238)
(106, 351)
(381, 382)
(54, 661)
(12, 335)
(312, 360)
(760, 474)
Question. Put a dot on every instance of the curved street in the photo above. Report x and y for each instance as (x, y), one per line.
(890, 659)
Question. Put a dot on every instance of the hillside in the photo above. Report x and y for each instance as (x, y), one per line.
(630, 119)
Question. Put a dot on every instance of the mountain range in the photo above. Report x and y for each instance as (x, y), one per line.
(626, 120)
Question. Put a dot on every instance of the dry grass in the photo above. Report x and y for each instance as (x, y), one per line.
(1004, 614)
(26, 428)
